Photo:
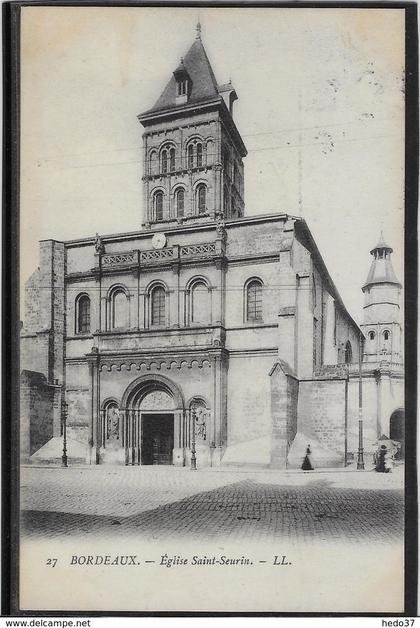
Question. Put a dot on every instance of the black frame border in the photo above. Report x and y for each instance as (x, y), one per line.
(10, 304)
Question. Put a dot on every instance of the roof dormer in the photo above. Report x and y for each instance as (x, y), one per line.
(183, 84)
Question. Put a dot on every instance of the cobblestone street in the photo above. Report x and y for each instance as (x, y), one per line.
(168, 502)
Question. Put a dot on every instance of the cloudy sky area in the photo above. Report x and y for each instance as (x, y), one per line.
(320, 110)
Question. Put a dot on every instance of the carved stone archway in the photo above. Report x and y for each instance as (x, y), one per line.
(149, 401)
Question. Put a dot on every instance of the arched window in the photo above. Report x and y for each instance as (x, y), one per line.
(348, 354)
(201, 198)
(180, 200)
(83, 314)
(158, 205)
(119, 311)
(172, 159)
(386, 334)
(164, 167)
(153, 162)
(371, 335)
(158, 306)
(254, 301)
(190, 156)
(200, 303)
(199, 155)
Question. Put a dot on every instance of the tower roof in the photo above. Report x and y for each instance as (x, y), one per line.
(381, 269)
(203, 81)
(381, 245)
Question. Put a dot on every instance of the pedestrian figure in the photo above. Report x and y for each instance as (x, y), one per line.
(306, 465)
(380, 465)
(389, 463)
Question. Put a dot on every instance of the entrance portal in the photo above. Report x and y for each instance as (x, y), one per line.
(157, 441)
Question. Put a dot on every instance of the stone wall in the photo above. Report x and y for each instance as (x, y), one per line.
(284, 399)
(322, 417)
(39, 403)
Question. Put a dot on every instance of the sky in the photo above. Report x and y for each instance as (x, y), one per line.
(320, 109)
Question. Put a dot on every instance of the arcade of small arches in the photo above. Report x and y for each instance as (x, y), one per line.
(152, 424)
(197, 305)
(163, 206)
(197, 153)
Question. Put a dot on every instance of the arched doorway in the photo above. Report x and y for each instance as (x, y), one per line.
(153, 432)
(397, 430)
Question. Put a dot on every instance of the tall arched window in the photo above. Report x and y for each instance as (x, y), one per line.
(371, 335)
(119, 311)
(164, 159)
(153, 162)
(348, 354)
(190, 156)
(254, 302)
(172, 159)
(200, 303)
(180, 200)
(199, 155)
(386, 342)
(158, 306)
(158, 205)
(83, 314)
(201, 198)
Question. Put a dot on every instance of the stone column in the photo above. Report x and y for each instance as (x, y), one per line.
(178, 451)
(304, 326)
(217, 434)
(94, 381)
(218, 206)
(287, 329)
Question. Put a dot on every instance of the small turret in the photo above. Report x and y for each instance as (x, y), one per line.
(381, 324)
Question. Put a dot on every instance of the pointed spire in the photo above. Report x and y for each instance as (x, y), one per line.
(198, 29)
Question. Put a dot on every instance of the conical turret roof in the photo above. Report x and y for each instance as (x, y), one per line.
(381, 269)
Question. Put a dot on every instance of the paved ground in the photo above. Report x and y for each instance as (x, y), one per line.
(169, 502)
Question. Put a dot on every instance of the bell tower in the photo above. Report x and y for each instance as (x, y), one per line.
(192, 151)
(381, 324)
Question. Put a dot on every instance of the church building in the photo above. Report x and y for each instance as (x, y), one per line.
(208, 330)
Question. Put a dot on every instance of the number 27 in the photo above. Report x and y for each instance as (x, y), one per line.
(52, 562)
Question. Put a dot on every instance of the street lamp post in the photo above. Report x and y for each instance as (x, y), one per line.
(360, 459)
(64, 411)
(193, 452)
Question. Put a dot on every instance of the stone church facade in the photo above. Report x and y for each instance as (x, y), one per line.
(206, 325)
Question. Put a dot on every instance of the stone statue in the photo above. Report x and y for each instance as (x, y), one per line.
(220, 227)
(99, 245)
(199, 416)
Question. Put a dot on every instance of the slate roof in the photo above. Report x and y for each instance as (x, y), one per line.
(204, 84)
(381, 271)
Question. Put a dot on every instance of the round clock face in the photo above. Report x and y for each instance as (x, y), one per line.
(158, 240)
